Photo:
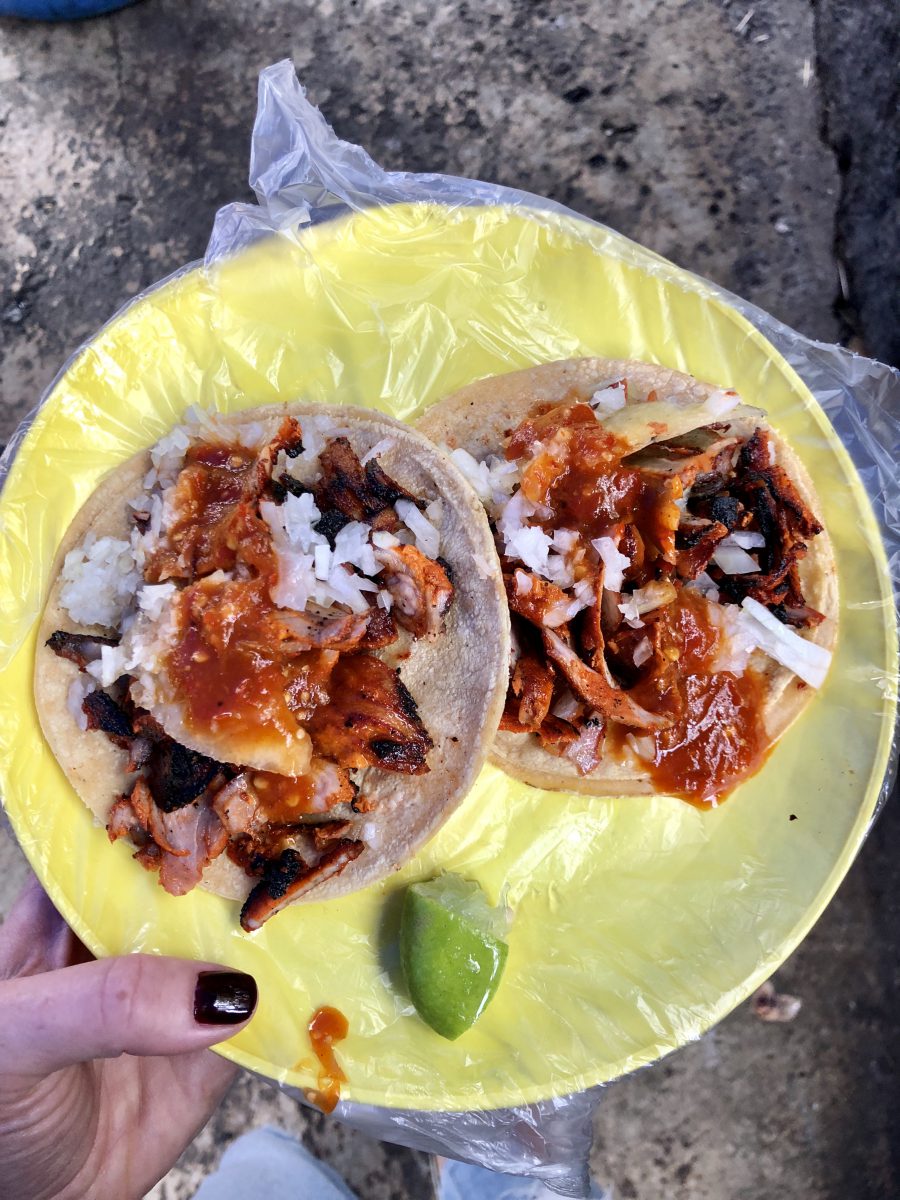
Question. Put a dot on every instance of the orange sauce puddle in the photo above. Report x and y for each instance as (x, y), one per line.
(326, 1027)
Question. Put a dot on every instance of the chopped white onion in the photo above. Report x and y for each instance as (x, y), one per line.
(747, 539)
(734, 561)
(610, 398)
(614, 563)
(642, 747)
(322, 556)
(654, 595)
(721, 402)
(435, 511)
(567, 706)
(476, 473)
(379, 448)
(705, 585)
(524, 583)
(642, 651)
(153, 597)
(630, 612)
(351, 545)
(384, 540)
(806, 659)
(428, 540)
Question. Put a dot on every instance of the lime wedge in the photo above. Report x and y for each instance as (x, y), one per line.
(453, 950)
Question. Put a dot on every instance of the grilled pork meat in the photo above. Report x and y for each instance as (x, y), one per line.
(358, 493)
(79, 648)
(372, 720)
(420, 589)
(532, 685)
(179, 844)
(290, 877)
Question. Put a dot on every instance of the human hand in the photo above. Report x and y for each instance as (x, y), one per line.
(105, 1075)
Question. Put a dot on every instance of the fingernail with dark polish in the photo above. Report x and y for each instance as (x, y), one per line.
(224, 997)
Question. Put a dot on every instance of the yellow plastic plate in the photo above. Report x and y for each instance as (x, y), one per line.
(639, 922)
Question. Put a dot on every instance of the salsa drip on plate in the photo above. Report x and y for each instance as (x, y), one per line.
(625, 573)
(255, 678)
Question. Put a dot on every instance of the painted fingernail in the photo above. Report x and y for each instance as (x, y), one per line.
(224, 997)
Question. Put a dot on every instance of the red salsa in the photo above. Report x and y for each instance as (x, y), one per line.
(326, 1027)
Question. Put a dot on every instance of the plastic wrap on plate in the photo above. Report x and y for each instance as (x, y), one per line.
(639, 922)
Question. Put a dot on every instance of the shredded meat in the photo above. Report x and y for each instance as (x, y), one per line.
(532, 597)
(237, 807)
(317, 629)
(420, 589)
(180, 845)
(532, 685)
(330, 831)
(79, 648)
(766, 493)
(557, 735)
(215, 501)
(356, 492)
(372, 720)
(289, 877)
(597, 688)
(130, 815)
(195, 836)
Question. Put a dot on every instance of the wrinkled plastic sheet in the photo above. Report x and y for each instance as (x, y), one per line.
(305, 178)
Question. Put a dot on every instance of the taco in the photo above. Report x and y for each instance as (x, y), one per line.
(672, 590)
(266, 659)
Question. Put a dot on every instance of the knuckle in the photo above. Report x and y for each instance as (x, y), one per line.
(121, 993)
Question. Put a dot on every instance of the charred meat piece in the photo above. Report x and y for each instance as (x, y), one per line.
(532, 686)
(387, 490)
(176, 775)
(800, 615)
(289, 438)
(727, 510)
(330, 524)
(79, 648)
(104, 714)
(287, 485)
(421, 591)
(372, 720)
(359, 493)
(289, 877)
(509, 721)
(695, 544)
(756, 453)
(180, 845)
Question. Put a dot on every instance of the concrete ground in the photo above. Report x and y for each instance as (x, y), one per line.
(754, 141)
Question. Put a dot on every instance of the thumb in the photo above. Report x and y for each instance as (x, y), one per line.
(137, 1004)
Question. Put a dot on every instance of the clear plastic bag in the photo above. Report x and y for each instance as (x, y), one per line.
(305, 176)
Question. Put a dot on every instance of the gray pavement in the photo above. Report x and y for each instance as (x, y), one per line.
(749, 141)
